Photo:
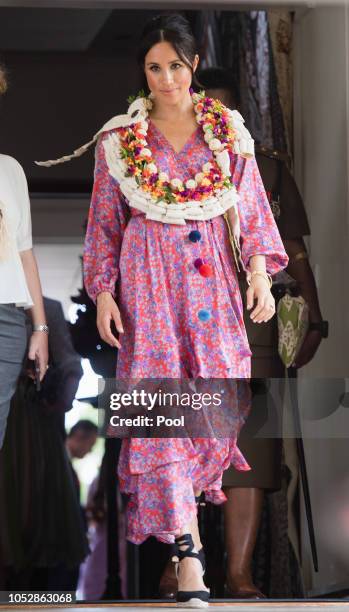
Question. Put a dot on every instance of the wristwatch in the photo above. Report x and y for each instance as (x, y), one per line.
(321, 326)
(41, 328)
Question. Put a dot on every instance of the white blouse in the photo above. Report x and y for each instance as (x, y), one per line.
(15, 232)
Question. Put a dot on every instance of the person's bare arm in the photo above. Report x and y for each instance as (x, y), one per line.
(38, 344)
(301, 271)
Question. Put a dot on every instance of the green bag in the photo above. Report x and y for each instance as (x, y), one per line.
(293, 323)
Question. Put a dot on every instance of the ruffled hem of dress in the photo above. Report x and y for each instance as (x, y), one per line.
(162, 499)
(137, 536)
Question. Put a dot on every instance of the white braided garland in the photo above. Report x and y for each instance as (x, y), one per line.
(164, 212)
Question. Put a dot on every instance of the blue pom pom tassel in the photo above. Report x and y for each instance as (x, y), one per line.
(204, 315)
(195, 236)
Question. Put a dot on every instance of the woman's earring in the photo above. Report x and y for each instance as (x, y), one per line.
(149, 101)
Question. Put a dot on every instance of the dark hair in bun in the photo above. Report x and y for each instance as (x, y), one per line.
(174, 29)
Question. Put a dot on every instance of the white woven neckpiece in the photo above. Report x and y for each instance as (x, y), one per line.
(162, 211)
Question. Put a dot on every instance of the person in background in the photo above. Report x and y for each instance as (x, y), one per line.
(42, 529)
(79, 442)
(20, 287)
(81, 439)
(245, 491)
(94, 571)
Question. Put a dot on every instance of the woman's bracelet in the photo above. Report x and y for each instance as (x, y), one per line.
(41, 328)
(261, 273)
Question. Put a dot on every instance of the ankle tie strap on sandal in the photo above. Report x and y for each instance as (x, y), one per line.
(187, 540)
(191, 599)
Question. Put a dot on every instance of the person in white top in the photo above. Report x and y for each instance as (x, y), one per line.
(20, 287)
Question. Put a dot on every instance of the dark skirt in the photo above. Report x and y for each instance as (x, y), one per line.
(41, 523)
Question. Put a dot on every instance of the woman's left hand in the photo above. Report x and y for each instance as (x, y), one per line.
(38, 347)
(265, 308)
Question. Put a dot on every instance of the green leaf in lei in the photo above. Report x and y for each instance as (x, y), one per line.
(132, 98)
(124, 152)
(169, 197)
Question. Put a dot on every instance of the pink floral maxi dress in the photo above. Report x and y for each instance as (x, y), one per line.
(160, 294)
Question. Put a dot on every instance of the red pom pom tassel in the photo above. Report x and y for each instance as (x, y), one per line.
(205, 270)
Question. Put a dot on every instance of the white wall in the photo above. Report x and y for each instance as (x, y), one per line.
(60, 271)
(321, 135)
(58, 230)
(321, 168)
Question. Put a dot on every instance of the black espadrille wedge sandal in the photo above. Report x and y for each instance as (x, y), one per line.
(191, 599)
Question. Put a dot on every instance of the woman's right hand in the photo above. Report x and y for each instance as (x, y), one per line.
(107, 311)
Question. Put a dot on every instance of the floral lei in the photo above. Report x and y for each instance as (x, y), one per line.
(206, 195)
(219, 134)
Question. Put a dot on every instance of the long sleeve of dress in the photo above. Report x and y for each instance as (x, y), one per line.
(259, 232)
(107, 221)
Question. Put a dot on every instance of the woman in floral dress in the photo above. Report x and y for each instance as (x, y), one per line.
(177, 306)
